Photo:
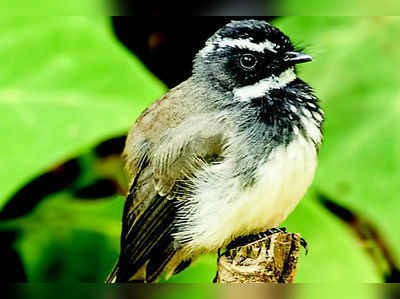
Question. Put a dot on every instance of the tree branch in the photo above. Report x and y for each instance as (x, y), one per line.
(271, 259)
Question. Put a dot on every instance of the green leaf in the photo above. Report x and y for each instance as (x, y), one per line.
(338, 8)
(65, 84)
(60, 8)
(65, 239)
(335, 255)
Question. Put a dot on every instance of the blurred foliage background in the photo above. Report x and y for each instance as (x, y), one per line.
(69, 91)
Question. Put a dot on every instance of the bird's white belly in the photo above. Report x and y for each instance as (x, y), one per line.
(223, 210)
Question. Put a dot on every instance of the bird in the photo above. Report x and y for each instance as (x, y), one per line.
(226, 154)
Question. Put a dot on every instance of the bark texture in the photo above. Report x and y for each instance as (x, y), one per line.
(271, 259)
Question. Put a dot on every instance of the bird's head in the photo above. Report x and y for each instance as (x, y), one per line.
(248, 57)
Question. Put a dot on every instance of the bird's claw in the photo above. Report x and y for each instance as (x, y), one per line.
(244, 240)
(304, 244)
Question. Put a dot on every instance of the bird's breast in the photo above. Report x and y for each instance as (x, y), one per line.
(222, 209)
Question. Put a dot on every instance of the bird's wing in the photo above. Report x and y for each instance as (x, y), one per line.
(184, 150)
(149, 213)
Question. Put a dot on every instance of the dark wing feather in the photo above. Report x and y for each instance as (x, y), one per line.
(148, 220)
(150, 208)
(150, 232)
(161, 255)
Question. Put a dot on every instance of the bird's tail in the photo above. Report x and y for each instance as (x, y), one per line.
(116, 275)
(150, 271)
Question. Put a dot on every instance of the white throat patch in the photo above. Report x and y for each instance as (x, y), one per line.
(262, 87)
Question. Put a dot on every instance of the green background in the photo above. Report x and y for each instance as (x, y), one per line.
(66, 84)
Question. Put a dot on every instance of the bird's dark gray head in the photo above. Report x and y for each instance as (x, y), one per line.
(244, 52)
(248, 68)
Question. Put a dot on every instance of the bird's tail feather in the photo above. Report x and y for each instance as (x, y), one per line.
(115, 277)
(161, 255)
(112, 277)
(150, 271)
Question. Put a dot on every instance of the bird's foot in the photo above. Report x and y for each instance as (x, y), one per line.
(245, 240)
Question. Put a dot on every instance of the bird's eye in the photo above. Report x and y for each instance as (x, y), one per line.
(248, 61)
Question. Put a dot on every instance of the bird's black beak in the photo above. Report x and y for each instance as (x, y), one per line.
(296, 57)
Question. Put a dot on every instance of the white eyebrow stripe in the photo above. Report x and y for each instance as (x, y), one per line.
(242, 43)
(247, 44)
(260, 88)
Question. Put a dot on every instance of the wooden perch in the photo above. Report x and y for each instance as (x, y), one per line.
(270, 259)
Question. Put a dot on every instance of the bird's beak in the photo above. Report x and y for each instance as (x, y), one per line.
(297, 57)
